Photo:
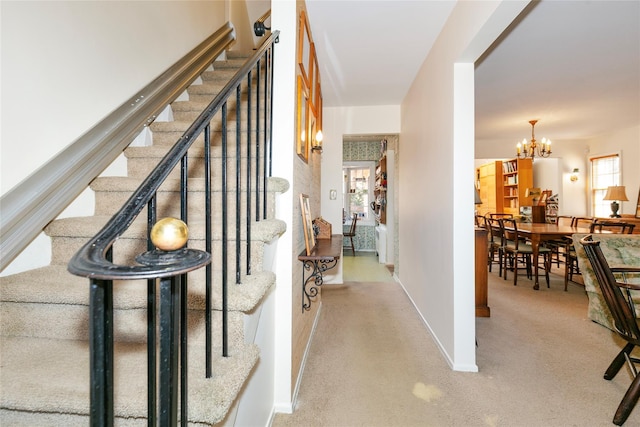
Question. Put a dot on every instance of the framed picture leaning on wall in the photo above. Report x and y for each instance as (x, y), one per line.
(307, 224)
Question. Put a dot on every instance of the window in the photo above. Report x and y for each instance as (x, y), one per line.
(605, 171)
(358, 189)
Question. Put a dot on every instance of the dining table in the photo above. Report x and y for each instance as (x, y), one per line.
(537, 233)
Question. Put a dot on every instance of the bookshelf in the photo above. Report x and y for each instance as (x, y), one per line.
(380, 190)
(517, 176)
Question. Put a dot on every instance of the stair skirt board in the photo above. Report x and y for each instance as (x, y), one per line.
(44, 363)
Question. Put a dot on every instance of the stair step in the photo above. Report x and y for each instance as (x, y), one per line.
(53, 284)
(112, 192)
(232, 61)
(143, 165)
(52, 377)
(145, 159)
(168, 138)
(70, 234)
(31, 301)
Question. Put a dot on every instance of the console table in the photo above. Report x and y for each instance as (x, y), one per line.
(325, 256)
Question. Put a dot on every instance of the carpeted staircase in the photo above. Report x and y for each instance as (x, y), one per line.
(44, 363)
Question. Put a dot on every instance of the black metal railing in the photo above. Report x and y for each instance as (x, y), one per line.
(166, 272)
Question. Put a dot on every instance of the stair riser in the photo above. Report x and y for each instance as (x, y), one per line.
(168, 133)
(140, 167)
(125, 251)
(207, 406)
(191, 105)
(168, 204)
(167, 138)
(212, 85)
(190, 115)
(71, 322)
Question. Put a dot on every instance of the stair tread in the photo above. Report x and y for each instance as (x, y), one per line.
(196, 151)
(123, 183)
(55, 285)
(65, 366)
(87, 227)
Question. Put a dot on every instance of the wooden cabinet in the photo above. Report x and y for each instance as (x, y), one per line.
(380, 190)
(489, 178)
(517, 176)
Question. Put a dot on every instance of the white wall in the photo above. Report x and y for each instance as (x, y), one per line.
(67, 64)
(284, 16)
(436, 214)
(243, 15)
(626, 142)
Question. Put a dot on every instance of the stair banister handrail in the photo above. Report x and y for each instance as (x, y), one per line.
(259, 28)
(42, 196)
(91, 261)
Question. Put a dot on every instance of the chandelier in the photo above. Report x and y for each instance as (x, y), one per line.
(533, 149)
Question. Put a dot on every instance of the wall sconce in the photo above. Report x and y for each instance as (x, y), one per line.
(574, 175)
(317, 142)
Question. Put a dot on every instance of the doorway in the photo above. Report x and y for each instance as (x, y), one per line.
(369, 167)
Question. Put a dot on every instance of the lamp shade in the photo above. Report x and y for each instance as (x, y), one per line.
(616, 192)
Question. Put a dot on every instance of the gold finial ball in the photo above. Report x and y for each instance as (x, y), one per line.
(169, 234)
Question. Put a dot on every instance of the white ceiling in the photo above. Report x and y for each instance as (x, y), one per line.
(574, 65)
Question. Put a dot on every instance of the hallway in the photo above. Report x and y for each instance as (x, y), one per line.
(364, 267)
(372, 362)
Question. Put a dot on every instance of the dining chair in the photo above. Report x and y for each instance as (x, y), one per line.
(351, 234)
(570, 259)
(618, 298)
(559, 245)
(495, 243)
(516, 249)
(498, 215)
(612, 226)
(583, 221)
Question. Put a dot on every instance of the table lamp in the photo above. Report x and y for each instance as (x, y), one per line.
(615, 193)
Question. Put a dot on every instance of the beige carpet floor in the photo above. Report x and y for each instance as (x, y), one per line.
(541, 361)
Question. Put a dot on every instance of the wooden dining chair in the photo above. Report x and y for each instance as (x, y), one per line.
(498, 215)
(351, 233)
(517, 250)
(618, 298)
(583, 221)
(558, 246)
(570, 259)
(495, 243)
(611, 226)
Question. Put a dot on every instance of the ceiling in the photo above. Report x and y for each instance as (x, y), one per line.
(574, 65)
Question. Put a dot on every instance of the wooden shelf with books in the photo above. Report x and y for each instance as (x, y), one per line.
(380, 190)
(517, 176)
